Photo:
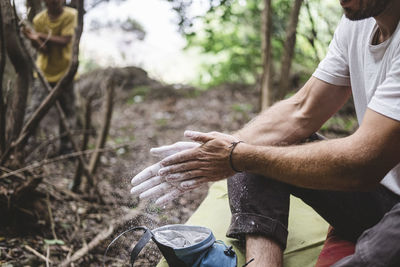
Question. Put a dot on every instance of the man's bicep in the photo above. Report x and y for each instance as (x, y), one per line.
(319, 100)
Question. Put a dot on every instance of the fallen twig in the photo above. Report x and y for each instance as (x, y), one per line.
(53, 228)
(36, 253)
(8, 171)
(48, 256)
(106, 233)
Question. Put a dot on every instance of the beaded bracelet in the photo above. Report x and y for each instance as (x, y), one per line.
(232, 147)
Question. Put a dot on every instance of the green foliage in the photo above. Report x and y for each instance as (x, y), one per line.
(140, 90)
(242, 111)
(162, 122)
(138, 94)
(340, 124)
(242, 107)
(230, 35)
(87, 64)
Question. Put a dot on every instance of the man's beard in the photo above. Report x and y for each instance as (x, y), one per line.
(367, 9)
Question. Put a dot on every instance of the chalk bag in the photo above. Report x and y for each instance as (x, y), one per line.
(184, 246)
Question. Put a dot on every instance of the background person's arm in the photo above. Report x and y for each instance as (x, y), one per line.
(35, 39)
(55, 40)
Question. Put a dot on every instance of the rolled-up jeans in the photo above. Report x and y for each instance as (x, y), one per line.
(260, 206)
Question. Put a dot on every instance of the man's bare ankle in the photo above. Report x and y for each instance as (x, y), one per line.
(265, 251)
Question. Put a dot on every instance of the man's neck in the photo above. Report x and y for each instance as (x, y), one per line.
(54, 14)
(388, 20)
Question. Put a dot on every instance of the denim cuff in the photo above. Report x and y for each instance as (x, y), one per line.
(250, 223)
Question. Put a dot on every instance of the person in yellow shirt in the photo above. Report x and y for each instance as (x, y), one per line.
(52, 37)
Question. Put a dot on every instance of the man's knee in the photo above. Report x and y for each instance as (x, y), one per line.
(259, 206)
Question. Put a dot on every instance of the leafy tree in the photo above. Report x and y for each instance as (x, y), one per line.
(230, 34)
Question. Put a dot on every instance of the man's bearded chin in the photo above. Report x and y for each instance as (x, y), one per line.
(366, 9)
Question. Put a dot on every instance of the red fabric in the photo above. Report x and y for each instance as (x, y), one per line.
(334, 249)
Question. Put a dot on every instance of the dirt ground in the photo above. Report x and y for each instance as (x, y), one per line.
(145, 116)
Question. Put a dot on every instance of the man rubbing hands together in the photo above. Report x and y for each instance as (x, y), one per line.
(352, 182)
(208, 162)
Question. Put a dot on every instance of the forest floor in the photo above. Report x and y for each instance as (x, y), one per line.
(145, 116)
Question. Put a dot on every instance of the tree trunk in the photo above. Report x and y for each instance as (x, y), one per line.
(311, 39)
(34, 7)
(290, 43)
(266, 80)
(21, 64)
(2, 104)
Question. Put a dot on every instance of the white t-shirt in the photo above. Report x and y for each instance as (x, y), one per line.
(373, 71)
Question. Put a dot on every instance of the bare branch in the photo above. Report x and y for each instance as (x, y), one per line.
(105, 128)
(79, 169)
(36, 253)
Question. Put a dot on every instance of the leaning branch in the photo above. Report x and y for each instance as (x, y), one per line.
(79, 170)
(101, 141)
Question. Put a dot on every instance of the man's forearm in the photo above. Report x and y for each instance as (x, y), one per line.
(338, 164)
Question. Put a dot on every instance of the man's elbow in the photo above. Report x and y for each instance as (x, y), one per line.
(365, 184)
(367, 163)
(367, 178)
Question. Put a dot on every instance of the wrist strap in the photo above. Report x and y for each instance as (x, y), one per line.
(139, 245)
(232, 147)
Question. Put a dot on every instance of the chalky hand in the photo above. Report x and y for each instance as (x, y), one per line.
(148, 184)
(209, 162)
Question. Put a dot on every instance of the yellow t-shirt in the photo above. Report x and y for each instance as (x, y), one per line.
(55, 63)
